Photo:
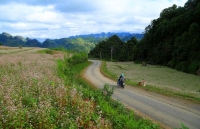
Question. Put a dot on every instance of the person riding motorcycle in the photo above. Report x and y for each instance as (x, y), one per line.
(121, 80)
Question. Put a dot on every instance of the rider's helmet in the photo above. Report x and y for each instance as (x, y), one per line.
(122, 74)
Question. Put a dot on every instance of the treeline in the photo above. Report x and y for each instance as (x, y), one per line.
(172, 40)
(114, 48)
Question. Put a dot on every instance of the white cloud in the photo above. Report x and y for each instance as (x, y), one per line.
(58, 19)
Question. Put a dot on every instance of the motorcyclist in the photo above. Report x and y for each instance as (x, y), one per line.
(121, 79)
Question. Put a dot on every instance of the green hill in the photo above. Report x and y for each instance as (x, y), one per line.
(77, 44)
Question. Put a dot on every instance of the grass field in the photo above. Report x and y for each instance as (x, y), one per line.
(163, 78)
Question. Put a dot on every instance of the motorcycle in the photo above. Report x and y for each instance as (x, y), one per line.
(121, 83)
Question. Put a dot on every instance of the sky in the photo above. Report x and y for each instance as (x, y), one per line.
(63, 18)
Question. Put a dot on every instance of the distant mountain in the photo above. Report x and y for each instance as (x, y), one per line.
(86, 42)
(124, 36)
(13, 41)
(78, 43)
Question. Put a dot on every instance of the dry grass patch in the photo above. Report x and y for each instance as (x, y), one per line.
(14, 50)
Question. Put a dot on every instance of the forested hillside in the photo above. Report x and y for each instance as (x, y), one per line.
(173, 39)
(16, 41)
(77, 44)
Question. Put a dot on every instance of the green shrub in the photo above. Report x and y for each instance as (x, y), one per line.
(46, 51)
(77, 58)
(107, 91)
(60, 49)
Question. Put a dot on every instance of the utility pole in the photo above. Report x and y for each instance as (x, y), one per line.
(111, 52)
(100, 54)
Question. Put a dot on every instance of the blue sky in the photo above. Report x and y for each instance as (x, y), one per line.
(63, 18)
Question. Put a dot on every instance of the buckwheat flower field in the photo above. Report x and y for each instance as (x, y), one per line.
(33, 96)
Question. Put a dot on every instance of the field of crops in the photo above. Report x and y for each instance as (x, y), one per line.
(40, 89)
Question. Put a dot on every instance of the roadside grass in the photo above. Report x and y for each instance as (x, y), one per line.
(159, 79)
(40, 90)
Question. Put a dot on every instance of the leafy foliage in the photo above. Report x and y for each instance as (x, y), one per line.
(120, 51)
(173, 39)
(107, 91)
(77, 58)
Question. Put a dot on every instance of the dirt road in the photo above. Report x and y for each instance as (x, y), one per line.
(166, 111)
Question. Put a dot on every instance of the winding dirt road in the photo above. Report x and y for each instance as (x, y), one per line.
(166, 111)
